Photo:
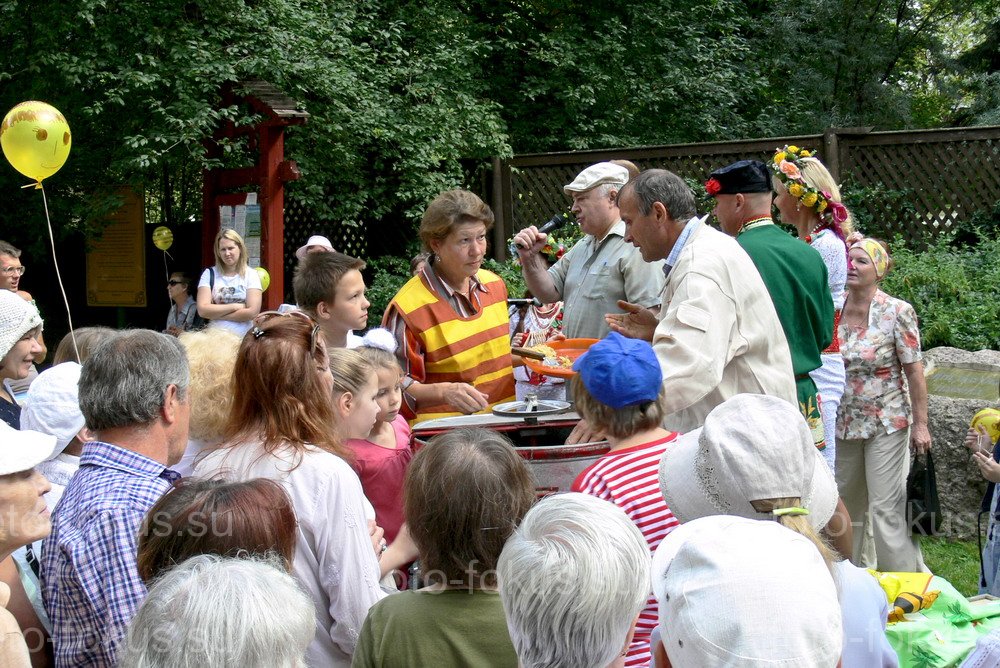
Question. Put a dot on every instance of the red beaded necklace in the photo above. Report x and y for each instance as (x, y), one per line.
(812, 235)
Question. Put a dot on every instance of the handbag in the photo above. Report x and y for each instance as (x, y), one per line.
(923, 508)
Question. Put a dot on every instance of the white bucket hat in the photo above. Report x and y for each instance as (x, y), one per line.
(752, 447)
(23, 450)
(53, 404)
(733, 592)
(17, 317)
(314, 240)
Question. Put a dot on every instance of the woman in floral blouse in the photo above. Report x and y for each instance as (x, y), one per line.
(879, 421)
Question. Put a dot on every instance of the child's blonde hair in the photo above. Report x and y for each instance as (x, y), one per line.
(798, 523)
(379, 358)
(350, 370)
(378, 346)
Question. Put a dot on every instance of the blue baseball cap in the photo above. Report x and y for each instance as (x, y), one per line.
(619, 372)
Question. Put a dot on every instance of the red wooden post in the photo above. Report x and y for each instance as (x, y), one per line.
(272, 212)
(267, 177)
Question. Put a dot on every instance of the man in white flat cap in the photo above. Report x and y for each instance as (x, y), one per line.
(601, 269)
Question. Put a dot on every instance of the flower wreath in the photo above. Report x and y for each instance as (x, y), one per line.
(785, 165)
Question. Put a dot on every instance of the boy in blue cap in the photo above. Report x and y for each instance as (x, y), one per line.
(619, 390)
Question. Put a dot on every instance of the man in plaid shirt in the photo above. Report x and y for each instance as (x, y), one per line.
(133, 394)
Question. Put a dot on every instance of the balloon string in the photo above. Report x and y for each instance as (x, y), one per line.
(55, 261)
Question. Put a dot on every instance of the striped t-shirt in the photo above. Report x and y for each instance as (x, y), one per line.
(629, 479)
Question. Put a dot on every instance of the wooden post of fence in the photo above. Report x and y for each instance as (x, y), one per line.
(831, 147)
(499, 220)
(831, 153)
(507, 206)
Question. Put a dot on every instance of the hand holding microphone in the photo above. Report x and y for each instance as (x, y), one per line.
(530, 237)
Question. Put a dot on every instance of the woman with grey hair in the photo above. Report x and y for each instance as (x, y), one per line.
(565, 541)
(223, 613)
(20, 326)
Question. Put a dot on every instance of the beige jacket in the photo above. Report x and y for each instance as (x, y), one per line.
(13, 650)
(719, 334)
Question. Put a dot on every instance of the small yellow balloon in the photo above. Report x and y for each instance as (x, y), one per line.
(990, 419)
(36, 140)
(265, 278)
(163, 238)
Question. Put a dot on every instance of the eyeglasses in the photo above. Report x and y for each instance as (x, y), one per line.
(13, 271)
(261, 318)
(172, 283)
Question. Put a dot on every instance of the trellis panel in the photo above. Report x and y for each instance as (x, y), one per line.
(944, 175)
(300, 224)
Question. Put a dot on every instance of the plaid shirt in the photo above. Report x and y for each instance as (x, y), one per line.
(90, 584)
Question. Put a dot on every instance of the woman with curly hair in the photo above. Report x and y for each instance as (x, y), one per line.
(809, 199)
(211, 355)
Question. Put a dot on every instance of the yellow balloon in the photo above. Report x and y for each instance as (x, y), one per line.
(163, 238)
(36, 139)
(265, 278)
(990, 419)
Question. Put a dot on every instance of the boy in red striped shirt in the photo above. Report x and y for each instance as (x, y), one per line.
(619, 390)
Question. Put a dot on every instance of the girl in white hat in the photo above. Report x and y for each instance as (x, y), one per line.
(755, 458)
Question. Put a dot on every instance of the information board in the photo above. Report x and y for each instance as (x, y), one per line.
(116, 263)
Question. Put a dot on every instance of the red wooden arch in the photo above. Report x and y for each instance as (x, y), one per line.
(222, 187)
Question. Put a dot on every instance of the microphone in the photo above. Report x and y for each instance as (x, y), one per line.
(533, 301)
(553, 224)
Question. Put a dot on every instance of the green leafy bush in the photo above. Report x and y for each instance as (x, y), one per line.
(387, 276)
(511, 275)
(954, 291)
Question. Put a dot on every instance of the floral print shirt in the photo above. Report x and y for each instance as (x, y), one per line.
(876, 393)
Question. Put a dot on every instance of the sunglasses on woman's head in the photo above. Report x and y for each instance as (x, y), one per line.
(257, 332)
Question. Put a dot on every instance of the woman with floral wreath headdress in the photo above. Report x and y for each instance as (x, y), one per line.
(809, 199)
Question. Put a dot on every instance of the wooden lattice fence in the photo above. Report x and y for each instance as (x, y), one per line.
(911, 183)
(916, 182)
(300, 224)
(935, 178)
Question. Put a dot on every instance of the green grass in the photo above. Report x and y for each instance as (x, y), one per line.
(954, 560)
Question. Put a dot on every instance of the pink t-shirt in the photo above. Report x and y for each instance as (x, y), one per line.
(381, 471)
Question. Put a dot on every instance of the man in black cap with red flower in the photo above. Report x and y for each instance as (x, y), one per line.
(794, 273)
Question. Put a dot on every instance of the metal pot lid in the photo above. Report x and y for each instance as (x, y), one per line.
(530, 407)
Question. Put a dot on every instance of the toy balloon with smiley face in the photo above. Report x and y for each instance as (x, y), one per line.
(35, 138)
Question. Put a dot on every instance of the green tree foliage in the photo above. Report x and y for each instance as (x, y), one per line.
(399, 91)
(954, 291)
(576, 75)
(850, 63)
(394, 90)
